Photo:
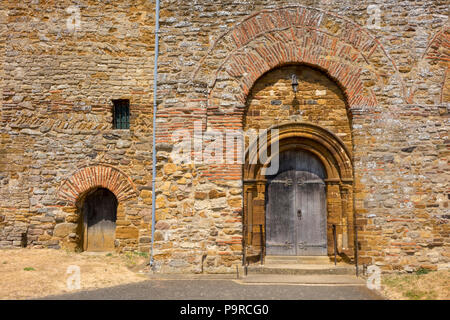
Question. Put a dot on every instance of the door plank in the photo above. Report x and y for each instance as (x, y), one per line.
(310, 199)
(288, 230)
(280, 233)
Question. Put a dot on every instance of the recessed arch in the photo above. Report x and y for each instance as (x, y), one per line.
(328, 147)
(332, 153)
(317, 68)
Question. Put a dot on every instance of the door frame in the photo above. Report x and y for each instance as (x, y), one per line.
(337, 161)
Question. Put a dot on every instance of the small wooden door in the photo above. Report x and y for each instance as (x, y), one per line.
(296, 206)
(100, 211)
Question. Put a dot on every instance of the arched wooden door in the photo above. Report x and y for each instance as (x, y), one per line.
(296, 206)
(99, 212)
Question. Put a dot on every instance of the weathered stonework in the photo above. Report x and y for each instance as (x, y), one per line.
(378, 83)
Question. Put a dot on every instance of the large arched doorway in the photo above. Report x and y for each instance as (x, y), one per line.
(315, 176)
(314, 128)
(99, 211)
(296, 218)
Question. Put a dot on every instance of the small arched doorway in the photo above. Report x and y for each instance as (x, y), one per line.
(296, 214)
(99, 211)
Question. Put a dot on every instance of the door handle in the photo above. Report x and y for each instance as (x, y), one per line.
(299, 214)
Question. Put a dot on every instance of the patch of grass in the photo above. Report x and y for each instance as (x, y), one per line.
(109, 254)
(423, 271)
(414, 294)
(132, 258)
(50, 277)
(419, 295)
(397, 280)
(132, 254)
(420, 285)
(142, 254)
(5, 262)
(29, 269)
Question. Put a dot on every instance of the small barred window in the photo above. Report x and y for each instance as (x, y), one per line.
(121, 114)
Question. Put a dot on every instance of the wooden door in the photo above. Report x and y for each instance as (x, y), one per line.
(296, 206)
(100, 211)
(280, 227)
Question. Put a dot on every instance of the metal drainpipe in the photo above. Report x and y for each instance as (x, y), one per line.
(155, 88)
(355, 230)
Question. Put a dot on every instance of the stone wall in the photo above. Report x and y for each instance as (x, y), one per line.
(402, 159)
(318, 100)
(58, 78)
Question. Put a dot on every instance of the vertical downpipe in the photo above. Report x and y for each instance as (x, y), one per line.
(355, 230)
(155, 88)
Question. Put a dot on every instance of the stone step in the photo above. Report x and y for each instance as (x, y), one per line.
(302, 269)
(304, 279)
(296, 260)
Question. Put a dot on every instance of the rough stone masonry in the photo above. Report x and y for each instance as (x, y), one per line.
(372, 103)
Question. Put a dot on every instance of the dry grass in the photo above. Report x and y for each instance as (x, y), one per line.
(31, 273)
(422, 285)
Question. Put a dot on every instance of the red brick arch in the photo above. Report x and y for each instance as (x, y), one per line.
(271, 38)
(437, 52)
(88, 178)
(439, 46)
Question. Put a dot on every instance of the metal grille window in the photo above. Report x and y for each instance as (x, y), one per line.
(121, 114)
